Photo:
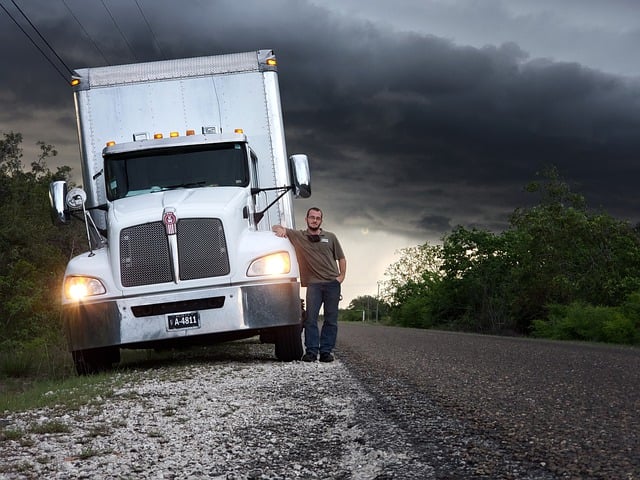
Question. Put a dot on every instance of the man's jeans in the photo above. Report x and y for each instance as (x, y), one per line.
(317, 294)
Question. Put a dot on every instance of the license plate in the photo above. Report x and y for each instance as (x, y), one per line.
(184, 320)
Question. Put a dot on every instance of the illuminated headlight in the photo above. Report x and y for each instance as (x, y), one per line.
(274, 264)
(77, 288)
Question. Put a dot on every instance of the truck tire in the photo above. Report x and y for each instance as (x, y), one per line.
(289, 343)
(95, 360)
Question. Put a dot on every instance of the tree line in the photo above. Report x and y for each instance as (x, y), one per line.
(33, 256)
(560, 270)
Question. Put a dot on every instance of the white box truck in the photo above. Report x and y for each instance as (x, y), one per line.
(185, 171)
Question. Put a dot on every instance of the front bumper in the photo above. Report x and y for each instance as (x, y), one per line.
(137, 321)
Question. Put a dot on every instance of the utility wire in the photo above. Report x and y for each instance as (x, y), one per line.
(118, 28)
(153, 35)
(42, 38)
(95, 45)
(35, 44)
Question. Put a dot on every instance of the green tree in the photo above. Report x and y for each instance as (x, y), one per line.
(554, 254)
(476, 280)
(564, 253)
(33, 253)
(411, 285)
(416, 268)
(373, 308)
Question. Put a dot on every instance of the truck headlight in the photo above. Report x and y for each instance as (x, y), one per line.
(274, 264)
(77, 288)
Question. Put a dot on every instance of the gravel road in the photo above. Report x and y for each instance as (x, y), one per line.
(397, 403)
(237, 414)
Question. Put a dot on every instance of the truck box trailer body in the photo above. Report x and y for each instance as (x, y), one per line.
(178, 208)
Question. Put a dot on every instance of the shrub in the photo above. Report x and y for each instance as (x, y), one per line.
(580, 321)
(42, 356)
(621, 329)
(414, 312)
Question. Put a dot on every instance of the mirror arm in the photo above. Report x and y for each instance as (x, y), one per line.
(260, 215)
(104, 207)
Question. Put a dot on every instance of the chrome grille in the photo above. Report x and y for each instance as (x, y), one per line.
(145, 257)
(203, 248)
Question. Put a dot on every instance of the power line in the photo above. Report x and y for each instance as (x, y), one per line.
(42, 38)
(35, 44)
(121, 32)
(153, 35)
(95, 45)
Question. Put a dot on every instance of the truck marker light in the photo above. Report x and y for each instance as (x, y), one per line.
(272, 62)
(75, 82)
(138, 137)
(110, 143)
(238, 130)
(174, 134)
(158, 136)
(190, 132)
(275, 264)
(77, 288)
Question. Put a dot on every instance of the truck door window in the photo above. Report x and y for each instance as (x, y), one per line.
(255, 181)
(149, 171)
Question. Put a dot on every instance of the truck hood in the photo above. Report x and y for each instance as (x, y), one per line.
(186, 202)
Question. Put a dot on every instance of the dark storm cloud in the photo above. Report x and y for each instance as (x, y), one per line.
(404, 131)
(436, 223)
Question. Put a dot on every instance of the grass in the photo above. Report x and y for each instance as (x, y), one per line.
(52, 426)
(11, 434)
(59, 387)
(69, 393)
(87, 453)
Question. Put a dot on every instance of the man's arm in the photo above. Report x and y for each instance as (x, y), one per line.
(279, 230)
(342, 267)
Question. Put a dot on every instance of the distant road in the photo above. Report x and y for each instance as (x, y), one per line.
(558, 409)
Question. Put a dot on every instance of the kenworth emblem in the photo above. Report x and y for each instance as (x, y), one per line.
(169, 219)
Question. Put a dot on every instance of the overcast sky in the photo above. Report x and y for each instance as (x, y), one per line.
(417, 115)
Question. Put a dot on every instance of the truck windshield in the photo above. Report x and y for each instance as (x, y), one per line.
(140, 172)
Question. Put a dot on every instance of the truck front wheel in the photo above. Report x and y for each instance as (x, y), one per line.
(95, 360)
(289, 343)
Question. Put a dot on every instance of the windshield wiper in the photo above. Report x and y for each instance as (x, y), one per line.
(185, 185)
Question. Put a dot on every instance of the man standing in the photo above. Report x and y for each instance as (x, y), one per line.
(318, 251)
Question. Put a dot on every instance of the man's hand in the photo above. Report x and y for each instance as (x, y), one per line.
(279, 230)
(342, 268)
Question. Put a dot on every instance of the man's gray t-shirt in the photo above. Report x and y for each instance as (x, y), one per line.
(317, 259)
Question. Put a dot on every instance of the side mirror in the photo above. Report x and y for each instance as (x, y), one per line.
(64, 202)
(75, 199)
(57, 198)
(301, 176)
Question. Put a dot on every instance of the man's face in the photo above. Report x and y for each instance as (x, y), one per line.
(314, 220)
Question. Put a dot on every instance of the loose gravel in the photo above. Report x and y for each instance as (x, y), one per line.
(396, 404)
(248, 417)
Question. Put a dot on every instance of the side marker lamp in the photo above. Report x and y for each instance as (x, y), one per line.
(158, 136)
(238, 130)
(110, 143)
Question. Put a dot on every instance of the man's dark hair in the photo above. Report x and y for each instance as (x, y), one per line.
(317, 209)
